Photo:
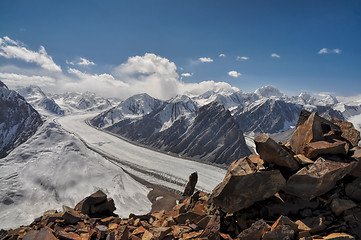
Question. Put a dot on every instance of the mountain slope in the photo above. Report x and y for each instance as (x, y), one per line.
(39, 100)
(18, 120)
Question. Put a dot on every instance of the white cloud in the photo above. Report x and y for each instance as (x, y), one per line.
(328, 51)
(234, 74)
(187, 74)
(275, 55)
(85, 62)
(13, 80)
(16, 50)
(222, 55)
(323, 51)
(239, 58)
(205, 59)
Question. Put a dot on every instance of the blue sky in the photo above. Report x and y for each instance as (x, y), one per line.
(315, 44)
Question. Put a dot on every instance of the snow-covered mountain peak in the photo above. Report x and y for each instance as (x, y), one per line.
(269, 91)
(140, 104)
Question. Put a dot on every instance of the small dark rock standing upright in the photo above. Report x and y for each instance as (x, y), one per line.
(191, 185)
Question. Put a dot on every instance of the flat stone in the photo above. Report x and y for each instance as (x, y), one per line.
(43, 234)
(243, 186)
(338, 206)
(314, 149)
(96, 198)
(70, 216)
(283, 220)
(272, 152)
(318, 178)
(68, 235)
(255, 231)
(338, 236)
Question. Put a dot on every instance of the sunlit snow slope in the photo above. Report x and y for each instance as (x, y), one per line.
(54, 168)
(147, 164)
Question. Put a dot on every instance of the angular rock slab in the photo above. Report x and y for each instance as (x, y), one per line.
(348, 131)
(315, 149)
(97, 203)
(356, 172)
(272, 152)
(309, 131)
(318, 178)
(244, 185)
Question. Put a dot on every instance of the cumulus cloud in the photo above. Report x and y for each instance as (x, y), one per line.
(187, 74)
(239, 58)
(327, 51)
(13, 80)
(205, 59)
(81, 62)
(149, 73)
(16, 50)
(234, 74)
(275, 55)
(222, 55)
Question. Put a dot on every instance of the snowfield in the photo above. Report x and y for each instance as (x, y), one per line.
(152, 166)
(54, 168)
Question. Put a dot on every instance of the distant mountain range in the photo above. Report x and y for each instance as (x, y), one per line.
(209, 127)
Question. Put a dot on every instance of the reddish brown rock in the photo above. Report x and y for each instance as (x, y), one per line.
(338, 236)
(303, 160)
(68, 235)
(243, 186)
(122, 233)
(353, 190)
(272, 152)
(338, 206)
(283, 220)
(318, 178)
(96, 204)
(282, 232)
(70, 215)
(308, 131)
(315, 149)
(356, 172)
(43, 234)
(191, 185)
(348, 131)
(255, 231)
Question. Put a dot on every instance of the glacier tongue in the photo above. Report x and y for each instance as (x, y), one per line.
(54, 168)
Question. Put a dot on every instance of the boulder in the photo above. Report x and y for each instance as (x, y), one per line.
(96, 204)
(243, 185)
(255, 231)
(353, 190)
(348, 131)
(318, 178)
(272, 152)
(338, 206)
(308, 131)
(191, 185)
(356, 172)
(315, 149)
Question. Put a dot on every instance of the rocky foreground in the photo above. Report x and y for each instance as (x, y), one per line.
(309, 188)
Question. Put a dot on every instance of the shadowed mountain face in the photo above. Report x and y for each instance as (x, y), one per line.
(208, 133)
(18, 120)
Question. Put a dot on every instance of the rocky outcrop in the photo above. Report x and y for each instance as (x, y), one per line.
(18, 120)
(96, 204)
(348, 131)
